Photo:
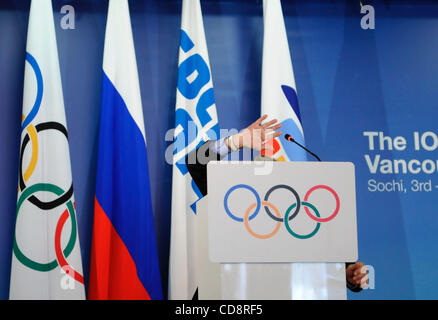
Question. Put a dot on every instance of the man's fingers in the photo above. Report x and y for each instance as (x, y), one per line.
(360, 276)
(259, 120)
(356, 268)
(267, 133)
(277, 134)
(357, 273)
(269, 123)
(276, 127)
(271, 134)
(361, 280)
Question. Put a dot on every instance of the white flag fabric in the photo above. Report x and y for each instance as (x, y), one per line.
(195, 122)
(46, 259)
(279, 92)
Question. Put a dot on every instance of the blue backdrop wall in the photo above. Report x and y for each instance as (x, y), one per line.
(349, 81)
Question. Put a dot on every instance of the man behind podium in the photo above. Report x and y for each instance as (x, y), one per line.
(254, 137)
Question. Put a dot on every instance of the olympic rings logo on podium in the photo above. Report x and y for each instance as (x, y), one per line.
(291, 212)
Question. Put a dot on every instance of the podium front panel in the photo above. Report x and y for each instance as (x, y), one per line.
(282, 212)
(263, 281)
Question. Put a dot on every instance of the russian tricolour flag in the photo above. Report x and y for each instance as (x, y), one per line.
(124, 261)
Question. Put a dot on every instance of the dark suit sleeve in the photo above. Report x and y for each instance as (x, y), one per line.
(197, 161)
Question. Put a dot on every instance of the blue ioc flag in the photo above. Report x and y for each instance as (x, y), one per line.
(124, 261)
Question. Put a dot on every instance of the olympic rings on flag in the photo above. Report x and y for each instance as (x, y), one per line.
(72, 240)
(291, 212)
(62, 261)
(40, 88)
(64, 198)
(23, 178)
(33, 160)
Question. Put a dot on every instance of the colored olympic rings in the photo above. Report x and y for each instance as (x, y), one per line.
(246, 221)
(29, 188)
(73, 233)
(63, 198)
(296, 235)
(241, 186)
(291, 212)
(338, 203)
(297, 200)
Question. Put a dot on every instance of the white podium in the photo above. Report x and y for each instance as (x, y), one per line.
(241, 258)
